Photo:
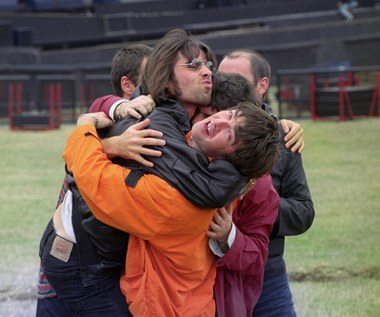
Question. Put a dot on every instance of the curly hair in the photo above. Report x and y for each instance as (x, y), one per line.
(229, 89)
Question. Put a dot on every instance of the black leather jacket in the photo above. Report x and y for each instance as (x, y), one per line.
(296, 211)
(206, 184)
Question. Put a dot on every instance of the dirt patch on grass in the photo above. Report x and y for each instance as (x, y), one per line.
(18, 291)
(328, 273)
(18, 298)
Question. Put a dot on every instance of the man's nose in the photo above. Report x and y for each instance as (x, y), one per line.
(221, 123)
(205, 71)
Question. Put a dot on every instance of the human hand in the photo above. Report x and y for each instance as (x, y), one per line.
(99, 119)
(294, 135)
(131, 144)
(221, 224)
(136, 108)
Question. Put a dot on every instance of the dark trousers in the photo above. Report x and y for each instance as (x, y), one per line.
(276, 298)
(52, 307)
(103, 299)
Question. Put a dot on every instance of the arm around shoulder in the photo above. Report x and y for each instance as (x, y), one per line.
(296, 212)
(106, 104)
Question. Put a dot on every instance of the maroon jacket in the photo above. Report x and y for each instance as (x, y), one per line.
(104, 103)
(240, 271)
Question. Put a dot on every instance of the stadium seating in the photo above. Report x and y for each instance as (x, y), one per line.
(293, 34)
(8, 5)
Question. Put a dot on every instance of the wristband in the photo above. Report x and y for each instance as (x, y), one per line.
(116, 114)
(96, 120)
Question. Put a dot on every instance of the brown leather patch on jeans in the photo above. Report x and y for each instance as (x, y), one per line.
(61, 248)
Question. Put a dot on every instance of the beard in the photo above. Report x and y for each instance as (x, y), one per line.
(196, 96)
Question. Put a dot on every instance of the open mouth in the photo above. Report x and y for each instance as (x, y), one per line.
(208, 128)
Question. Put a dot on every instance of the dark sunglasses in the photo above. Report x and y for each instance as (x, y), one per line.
(197, 64)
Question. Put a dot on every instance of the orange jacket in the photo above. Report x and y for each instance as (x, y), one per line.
(170, 270)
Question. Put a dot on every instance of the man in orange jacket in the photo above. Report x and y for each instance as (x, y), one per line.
(170, 269)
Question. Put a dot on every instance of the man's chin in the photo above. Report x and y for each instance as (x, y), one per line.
(205, 102)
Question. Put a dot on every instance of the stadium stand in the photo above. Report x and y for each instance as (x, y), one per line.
(337, 93)
(80, 37)
(8, 5)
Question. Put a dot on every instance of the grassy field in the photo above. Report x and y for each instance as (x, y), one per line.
(32, 172)
(337, 262)
(334, 267)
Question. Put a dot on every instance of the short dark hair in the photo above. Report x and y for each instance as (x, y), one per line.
(127, 62)
(260, 66)
(258, 142)
(229, 89)
(160, 66)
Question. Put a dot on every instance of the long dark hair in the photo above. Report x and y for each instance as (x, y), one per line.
(159, 68)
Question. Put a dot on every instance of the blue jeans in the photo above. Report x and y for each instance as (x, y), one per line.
(103, 299)
(52, 307)
(275, 299)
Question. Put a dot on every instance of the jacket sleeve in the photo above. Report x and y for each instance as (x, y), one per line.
(102, 185)
(214, 186)
(207, 184)
(62, 193)
(296, 212)
(254, 218)
(105, 104)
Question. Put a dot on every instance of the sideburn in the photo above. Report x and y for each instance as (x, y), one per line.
(174, 89)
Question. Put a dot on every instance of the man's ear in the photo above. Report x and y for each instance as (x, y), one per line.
(262, 86)
(170, 86)
(127, 85)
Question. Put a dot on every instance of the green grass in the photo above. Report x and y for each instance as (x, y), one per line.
(338, 260)
(354, 297)
(32, 172)
(334, 267)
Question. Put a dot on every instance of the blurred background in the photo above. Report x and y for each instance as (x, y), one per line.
(55, 59)
(55, 55)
